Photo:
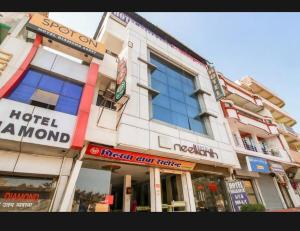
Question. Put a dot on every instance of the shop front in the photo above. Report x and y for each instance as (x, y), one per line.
(265, 182)
(115, 180)
(26, 194)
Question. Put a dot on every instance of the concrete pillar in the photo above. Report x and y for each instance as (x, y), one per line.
(126, 197)
(256, 143)
(155, 190)
(188, 193)
(67, 197)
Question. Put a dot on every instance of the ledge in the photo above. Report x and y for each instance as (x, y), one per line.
(200, 91)
(150, 65)
(206, 114)
(152, 91)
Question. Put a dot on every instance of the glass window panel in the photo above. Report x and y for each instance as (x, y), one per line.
(67, 105)
(32, 78)
(192, 112)
(197, 125)
(188, 90)
(159, 86)
(176, 94)
(159, 76)
(178, 107)
(192, 101)
(51, 84)
(180, 120)
(161, 113)
(162, 101)
(159, 64)
(22, 93)
(188, 80)
(173, 82)
(71, 90)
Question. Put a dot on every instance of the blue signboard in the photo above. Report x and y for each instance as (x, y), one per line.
(238, 194)
(256, 164)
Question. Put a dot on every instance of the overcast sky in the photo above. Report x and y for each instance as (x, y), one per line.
(265, 46)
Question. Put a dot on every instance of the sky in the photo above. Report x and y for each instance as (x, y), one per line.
(265, 46)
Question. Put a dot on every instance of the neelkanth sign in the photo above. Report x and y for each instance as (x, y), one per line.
(62, 34)
(137, 158)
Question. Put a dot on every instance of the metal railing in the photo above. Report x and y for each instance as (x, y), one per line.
(249, 146)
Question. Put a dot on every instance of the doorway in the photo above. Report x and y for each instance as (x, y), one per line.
(128, 186)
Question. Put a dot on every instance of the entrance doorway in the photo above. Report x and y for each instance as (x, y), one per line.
(128, 185)
(286, 195)
(172, 198)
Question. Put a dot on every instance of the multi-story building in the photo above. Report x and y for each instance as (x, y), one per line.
(44, 105)
(263, 141)
(135, 125)
(165, 145)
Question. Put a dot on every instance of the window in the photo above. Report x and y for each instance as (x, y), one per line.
(105, 100)
(49, 92)
(175, 104)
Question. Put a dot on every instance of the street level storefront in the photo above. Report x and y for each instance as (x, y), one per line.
(119, 180)
(135, 182)
(265, 182)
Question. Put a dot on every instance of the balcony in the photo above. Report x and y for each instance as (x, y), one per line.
(278, 114)
(295, 155)
(257, 88)
(292, 137)
(240, 96)
(247, 121)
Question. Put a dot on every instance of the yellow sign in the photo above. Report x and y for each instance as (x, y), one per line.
(62, 34)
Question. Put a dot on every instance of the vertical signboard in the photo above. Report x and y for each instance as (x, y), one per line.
(237, 193)
(121, 80)
(217, 88)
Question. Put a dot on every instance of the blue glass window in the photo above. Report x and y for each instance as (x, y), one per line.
(175, 104)
(69, 94)
(51, 84)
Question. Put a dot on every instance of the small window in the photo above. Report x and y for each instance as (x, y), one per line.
(44, 99)
(105, 101)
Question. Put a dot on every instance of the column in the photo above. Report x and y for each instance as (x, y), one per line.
(126, 197)
(188, 193)
(155, 190)
(67, 198)
(256, 143)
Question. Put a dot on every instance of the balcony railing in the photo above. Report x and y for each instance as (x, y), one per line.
(248, 146)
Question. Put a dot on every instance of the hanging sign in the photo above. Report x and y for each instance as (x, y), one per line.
(238, 195)
(121, 80)
(217, 87)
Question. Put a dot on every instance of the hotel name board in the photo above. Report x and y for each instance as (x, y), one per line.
(137, 158)
(62, 34)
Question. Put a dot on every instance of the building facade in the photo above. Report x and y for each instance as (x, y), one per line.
(43, 104)
(139, 123)
(259, 127)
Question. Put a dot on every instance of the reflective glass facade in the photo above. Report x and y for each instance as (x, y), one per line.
(175, 104)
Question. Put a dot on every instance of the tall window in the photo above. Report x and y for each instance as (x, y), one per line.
(49, 92)
(175, 104)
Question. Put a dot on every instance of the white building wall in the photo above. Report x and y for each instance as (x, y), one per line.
(136, 130)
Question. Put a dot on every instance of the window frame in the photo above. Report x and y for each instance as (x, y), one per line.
(206, 122)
